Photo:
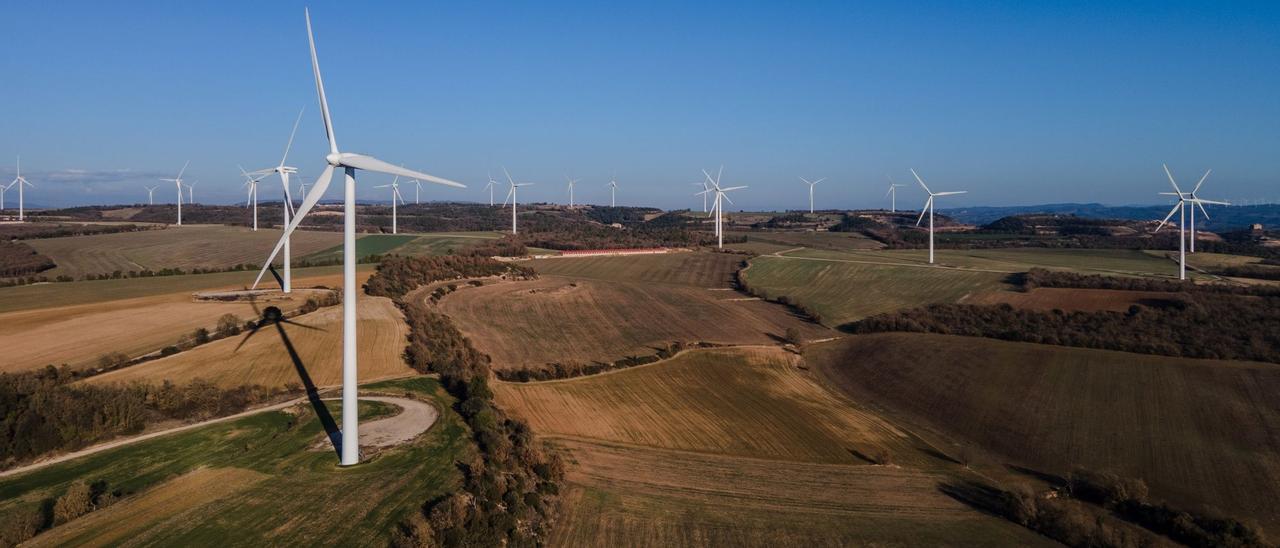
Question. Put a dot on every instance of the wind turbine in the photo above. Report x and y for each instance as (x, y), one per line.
(395, 195)
(178, 181)
(252, 201)
(21, 182)
(349, 162)
(302, 187)
(417, 188)
(811, 185)
(717, 208)
(3, 188)
(571, 183)
(191, 192)
(285, 171)
(928, 208)
(1184, 198)
(490, 187)
(613, 192)
(704, 193)
(511, 195)
(151, 195)
(892, 194)
(1194, 199)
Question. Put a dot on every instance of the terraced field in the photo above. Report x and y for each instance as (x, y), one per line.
(1199, 432)
(79, 334)
(683, 268)
(252, 481)
(841, 292)
(265, 358)
(185, 247)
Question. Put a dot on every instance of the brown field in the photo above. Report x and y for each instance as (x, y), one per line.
(264, 359)
(622, 495)
(186, 247)
(175, 500)
(1199, 432)
(524, 325)
(1069, 299)
(750, 402)
(683, 268)
(77, 335)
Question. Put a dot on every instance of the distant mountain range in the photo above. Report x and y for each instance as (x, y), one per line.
(1221, 218)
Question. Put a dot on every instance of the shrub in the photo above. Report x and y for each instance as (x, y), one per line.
(74, 503)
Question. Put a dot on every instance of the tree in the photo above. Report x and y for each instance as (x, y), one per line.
(793, 336)
(228, 325)
(74, 503)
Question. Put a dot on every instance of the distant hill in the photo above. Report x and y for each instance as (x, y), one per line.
(1221, 218)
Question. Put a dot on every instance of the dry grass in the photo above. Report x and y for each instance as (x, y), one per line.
(1198, 431)
(186, 247)
(77, 335)
(178, 499)
(750, 402)
(264, 359)
(683, 268)
(524, 325)
(1069, 299)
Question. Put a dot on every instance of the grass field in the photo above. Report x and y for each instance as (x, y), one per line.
(835, 241)
(579, 321)
(265, 359)
(79, 334)
(368, 244)
(441, 243)
(843, 292)
(696, 269)
(186, 247)
(1197, 431)
(1089, 261)
(46, 295)
(253, 481)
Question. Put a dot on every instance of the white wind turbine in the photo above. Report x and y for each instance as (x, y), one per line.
(811, 185)
(490, 187)
(928, 208)
(3, 189)
(704, 193)
(302, 187)
(1184, 199)
(395, 195)
(285, 171)
(613, 192)
(251, 183)
(571, 183)
(1194, 199)
(892, 194)
(151, 194)
(178, 182)
(191, 192)
(21, 182)
(717, 207)
(349, 162)
(417, 188)
(511, 196)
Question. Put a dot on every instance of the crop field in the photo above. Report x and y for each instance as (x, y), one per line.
(250, 481)
(1089, 261)
(368, 244)
(1070, 299)
(842, 292)
(834, 241)
(696, 269)
(1199, 432)
(265, 359)
(79, 334)
(525, 325)
(441, 243)
(186, 247)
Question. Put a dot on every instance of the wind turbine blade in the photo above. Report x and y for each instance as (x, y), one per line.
(1200, 204)
(184, 169)
(317, 190)
(510, 192)
(950, 193)
(1169, 216)
(369, 163)
(819, 181)
(1197, 188)
(806, 181)
(726, 196)
(733, 188)
(324, 103)
(927, 204)
(886, 193)
(508, 173)
(1171, 181)
(291, 134)
(921, 181)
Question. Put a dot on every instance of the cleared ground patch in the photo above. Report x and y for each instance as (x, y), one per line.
(682, 268)
(525, 325)
(79, 334)
(842, 292)
(265, 359)
(750, 402)
(185, 247)
(1197, 431)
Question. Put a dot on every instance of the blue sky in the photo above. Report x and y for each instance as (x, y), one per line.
(1017, 102)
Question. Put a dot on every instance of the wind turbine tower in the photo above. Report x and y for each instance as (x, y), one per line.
(177, 181)
(928, 208)
(285, 172)
(613, 192)
(571, 183)
(511, 196)
(21, 182)
(717, 207)
(811, 185)
(1185, 200)
(395, 195)
(892, 194)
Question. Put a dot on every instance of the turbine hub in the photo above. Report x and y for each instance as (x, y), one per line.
(334, 159)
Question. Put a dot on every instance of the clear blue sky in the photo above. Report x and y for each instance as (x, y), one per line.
(1017, 102)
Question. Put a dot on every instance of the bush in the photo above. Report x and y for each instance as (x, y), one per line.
(74, 503)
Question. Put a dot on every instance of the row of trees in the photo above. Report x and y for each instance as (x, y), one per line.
(40, 230)
(397, 275)
(20, 259)
(1039, 277)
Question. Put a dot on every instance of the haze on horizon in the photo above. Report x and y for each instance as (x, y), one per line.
(1018, 104)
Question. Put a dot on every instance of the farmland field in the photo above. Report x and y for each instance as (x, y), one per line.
(441, 243)
(696, 269)
(78, 334)
(264, 359)
(368, 244)
(835, 241)
(1199, 432)
(578, 321)
(843, 292)
(252, 480)
(1089, 261)
(185, 247)
(1070, 299)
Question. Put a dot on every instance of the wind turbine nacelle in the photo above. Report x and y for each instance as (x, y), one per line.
(334, 159)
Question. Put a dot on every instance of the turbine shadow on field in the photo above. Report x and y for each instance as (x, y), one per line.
(313, 395)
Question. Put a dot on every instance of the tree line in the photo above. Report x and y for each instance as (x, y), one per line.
(20, 259)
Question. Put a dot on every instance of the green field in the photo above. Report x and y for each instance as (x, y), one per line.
(697, 269)
(1199, 432)
(264, 483)
(442, 243)
(1089, 261)
(366, 245)
(842, 292)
